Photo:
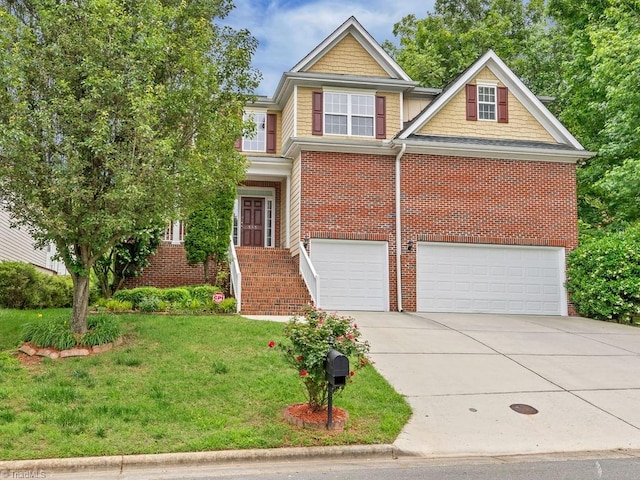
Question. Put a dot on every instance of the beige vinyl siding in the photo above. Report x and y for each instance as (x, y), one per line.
(452, 120)
(303, 110)
(305, 98)
(394, 124)
(348, 57)
(294, 240)
(288, 117)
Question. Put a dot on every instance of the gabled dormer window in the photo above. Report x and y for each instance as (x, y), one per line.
(487, 102)
(349, 114)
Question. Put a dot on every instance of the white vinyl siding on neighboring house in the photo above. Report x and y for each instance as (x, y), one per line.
(17, 245)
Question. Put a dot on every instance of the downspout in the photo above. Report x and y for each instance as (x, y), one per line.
(399, 230)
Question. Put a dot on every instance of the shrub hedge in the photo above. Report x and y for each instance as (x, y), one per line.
(603, 276)
(24, 287)
(192, 299)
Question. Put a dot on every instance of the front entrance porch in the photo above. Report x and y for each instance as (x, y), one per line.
(271, 282)
(258, 214)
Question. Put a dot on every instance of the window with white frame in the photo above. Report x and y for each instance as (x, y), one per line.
(486, 102)
(349, 114)
(258, 141)
(174, 232)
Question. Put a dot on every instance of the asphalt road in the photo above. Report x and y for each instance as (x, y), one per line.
(611, 466)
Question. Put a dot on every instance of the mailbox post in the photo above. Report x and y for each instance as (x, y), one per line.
(336, 366)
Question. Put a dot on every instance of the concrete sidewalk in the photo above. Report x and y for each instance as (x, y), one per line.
(462, 372)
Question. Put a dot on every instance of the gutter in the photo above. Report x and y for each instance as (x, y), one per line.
(399, 229)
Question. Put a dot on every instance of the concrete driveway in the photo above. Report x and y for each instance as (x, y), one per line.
(462, 372)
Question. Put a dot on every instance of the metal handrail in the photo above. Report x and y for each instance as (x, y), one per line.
(310, 276)
(236, 276)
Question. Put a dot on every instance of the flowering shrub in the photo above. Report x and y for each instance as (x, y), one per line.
(308, 340)
(604, 276)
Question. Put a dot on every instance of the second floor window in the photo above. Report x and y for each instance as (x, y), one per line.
(258, 142)
(349, 114)
(486, 102)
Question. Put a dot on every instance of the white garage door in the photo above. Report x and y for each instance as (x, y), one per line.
(490, 279)
(354, 275)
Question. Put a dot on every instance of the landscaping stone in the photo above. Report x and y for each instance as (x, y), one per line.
(44, 352)
(75, 352)
(28, 349)
(102, 348)
(54, 354)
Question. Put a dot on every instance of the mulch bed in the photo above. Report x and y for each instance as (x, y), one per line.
(303, 416)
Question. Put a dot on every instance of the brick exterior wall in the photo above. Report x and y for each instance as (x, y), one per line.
(168, 268)
(445, 199)
(352, 197)
(476, 200)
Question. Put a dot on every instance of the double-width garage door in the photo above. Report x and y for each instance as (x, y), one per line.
(490, 279)
(354, 275)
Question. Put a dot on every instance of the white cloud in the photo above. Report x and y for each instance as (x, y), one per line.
(288, 30)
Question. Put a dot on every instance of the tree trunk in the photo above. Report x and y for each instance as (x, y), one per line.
(205, 265)
(80, 303)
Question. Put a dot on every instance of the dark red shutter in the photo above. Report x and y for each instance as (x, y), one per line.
(239, 144)
(381, 117)
(271, 132)
(503, 105)
(472, 103)
(316, 128)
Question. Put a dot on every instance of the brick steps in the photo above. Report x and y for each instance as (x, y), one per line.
(271, 283)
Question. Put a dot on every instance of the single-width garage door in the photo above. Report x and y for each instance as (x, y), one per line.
(354, 275)
(490, 279)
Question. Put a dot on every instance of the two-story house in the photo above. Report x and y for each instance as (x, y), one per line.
(389, 196)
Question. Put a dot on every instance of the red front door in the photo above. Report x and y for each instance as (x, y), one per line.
(252, 226)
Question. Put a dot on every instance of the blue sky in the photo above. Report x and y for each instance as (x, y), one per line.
(288, 30)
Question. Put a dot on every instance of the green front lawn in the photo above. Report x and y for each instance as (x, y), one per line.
(178, 384)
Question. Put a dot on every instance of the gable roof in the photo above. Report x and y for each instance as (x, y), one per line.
(354, 28)
(533, 105)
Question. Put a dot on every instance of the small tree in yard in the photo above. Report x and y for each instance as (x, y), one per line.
(208, 230)
(125, 260)
(308, 340)
(114, 113)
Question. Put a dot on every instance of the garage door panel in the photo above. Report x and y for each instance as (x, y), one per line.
(490, 279)
(353, 274)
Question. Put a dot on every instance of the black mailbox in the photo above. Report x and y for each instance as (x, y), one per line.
(336, 366)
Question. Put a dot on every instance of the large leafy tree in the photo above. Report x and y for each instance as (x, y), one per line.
(114, 112)
(600, 102)
(208, 230)
(434, 50)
